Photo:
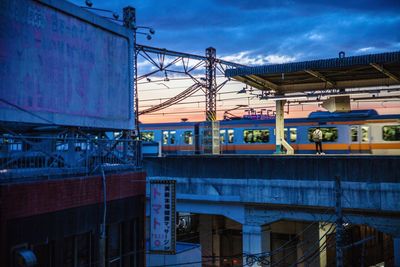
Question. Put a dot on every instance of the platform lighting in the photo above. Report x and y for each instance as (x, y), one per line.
(151, 30)
(89, 3)
(115, 17)
(243, 91)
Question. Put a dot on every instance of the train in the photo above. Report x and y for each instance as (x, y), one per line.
(354, 132)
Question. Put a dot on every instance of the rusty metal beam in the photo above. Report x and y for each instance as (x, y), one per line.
(267, 84)
(257, 82)
(386, 72)
(339, 85)
(318, 75)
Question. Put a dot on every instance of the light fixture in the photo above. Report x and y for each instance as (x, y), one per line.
(89, 3)
(243, 91)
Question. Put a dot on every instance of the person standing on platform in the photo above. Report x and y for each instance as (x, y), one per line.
(317, 138)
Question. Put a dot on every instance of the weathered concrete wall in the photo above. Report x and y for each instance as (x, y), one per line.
(368, 168)
(263, 189)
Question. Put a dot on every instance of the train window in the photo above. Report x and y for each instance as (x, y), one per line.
(329, 134)
(165, 137)
(147, 136)
(231, 135)
(391, 133)
(293, 134)
(222, 136)
(172, 137)
(364, 134)
(256, 136)
(188, 137)
(354, 133)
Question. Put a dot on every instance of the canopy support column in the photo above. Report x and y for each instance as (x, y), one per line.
(279, 129)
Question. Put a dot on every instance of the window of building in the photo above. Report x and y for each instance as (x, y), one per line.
(113, 245)
(391, 133)
(83, 249)
(147, 136)
(256, 136)
(68, 251)
(123, 248)
(329, 134)
(188, 137)
(231, 136)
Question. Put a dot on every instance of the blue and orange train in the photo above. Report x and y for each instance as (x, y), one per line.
(359, 131)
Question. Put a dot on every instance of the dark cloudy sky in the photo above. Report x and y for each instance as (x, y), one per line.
(271, 31)
(256, 32)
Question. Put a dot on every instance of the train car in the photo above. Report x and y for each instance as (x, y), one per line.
(359, 131)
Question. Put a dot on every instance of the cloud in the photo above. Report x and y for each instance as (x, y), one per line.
(278, 59)
(365, 49)
(246, 58)
(314, 36)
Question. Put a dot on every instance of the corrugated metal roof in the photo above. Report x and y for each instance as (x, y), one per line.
(316, 64)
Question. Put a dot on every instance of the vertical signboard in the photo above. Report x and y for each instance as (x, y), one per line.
(162, 216)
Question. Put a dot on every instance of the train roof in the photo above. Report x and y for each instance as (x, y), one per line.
(316, 116)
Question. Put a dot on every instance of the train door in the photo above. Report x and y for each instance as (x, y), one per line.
(196, 139)
(164, 142)
(359, 139)
(291, 137)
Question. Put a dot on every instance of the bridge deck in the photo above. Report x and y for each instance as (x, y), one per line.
(357, 168)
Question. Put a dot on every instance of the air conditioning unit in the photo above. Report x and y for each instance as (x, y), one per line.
(337, 104)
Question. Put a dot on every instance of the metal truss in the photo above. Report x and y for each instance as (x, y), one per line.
(172, 62)
(64, 151)
(316, 96)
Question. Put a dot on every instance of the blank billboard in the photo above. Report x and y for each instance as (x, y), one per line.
(64, 65)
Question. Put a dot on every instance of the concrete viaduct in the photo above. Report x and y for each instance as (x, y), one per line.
(257, 191)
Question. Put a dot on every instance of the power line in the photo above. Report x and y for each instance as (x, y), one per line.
(202, 95)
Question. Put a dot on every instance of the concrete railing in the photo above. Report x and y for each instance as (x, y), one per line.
(356, 168)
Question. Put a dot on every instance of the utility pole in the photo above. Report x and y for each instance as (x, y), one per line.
(211, 85)
(129, 19)
(211, 129)
(339, 223)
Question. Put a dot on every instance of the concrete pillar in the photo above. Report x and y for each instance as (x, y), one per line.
(280, 129)
(396, 251)
(216, 249)
(308, 245)
(256, 243)
(279, 125)
(206, 237)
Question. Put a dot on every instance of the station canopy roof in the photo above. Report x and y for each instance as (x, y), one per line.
(318, 75)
